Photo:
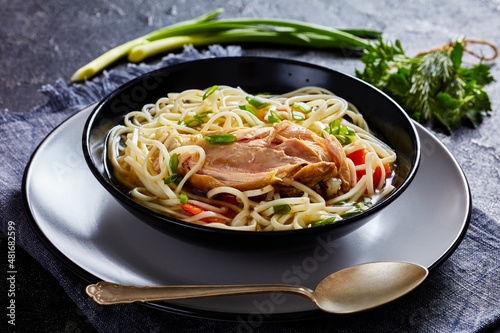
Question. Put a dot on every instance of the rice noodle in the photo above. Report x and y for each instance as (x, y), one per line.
(144, 136)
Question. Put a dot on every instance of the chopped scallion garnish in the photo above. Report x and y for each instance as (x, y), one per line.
(209, 92)
(341, 132)
(302, 107)
(220, 138)
(194, 122)
(281, 209)
(197, 119)
(361, 206)
(183, 197)
(364, 204)
(248, 109)
(298, 115)
(350, 213)
(174, 162)
(202, 114)
(274, 117)
(172, 178)
(328, 220)
(257, 101)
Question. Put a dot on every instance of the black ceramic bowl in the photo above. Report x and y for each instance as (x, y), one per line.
(253, 74)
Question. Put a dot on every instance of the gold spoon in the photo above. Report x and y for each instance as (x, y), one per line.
(352, 289)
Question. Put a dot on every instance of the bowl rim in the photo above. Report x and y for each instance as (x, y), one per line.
(118, 194)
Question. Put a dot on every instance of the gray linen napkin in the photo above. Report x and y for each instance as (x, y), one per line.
(461, 295)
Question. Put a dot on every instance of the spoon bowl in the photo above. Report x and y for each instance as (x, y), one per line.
(366, 286)
(349, 290)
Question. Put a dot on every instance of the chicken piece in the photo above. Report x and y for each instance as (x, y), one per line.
(263, 156)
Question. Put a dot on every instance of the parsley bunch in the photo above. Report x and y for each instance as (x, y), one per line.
(432, 86)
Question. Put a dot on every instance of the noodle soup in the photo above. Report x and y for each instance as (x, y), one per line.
(224, 158)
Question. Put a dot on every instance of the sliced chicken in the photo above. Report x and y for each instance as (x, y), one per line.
(263, 156)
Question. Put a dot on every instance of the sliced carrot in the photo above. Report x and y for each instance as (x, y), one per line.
(387, 168)
(360, 173)
(229, 198)
(358, 156)
(377, 174)
(192, 209)
(195, 210)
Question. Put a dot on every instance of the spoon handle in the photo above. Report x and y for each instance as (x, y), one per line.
(114, 293)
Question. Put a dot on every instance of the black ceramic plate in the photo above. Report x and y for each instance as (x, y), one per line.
(85, 228)
(253, 74)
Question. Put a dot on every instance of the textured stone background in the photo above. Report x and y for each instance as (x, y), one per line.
(43, 40)
(46, 40)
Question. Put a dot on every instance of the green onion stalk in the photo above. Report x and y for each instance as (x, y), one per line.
(204, 31)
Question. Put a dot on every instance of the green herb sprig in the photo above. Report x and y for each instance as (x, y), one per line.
(431, 87)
